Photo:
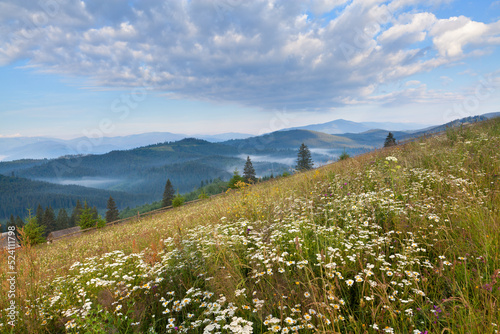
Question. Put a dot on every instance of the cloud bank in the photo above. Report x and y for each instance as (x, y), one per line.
(299, 55)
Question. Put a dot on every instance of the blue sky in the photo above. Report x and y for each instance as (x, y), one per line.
(70, 68)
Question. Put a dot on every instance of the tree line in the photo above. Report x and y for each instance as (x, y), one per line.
(45, 220)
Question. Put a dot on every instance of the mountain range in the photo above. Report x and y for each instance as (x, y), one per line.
(137, 176)
(341, 126)
(44, 147)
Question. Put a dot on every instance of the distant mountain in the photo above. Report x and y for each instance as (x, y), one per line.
(289, 139)
(50, 148)
(492, 115)
(375, 138)
(223, 136)
(282, 146)
(341, 126)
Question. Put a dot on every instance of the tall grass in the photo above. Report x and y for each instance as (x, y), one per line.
(400, 240)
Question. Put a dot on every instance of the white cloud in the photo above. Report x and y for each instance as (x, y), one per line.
(453, 34)
(265, 53)
(410, 29)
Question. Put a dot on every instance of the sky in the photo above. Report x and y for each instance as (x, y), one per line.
(110, 68)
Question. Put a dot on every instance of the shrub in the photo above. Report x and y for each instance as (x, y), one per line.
(177, 201)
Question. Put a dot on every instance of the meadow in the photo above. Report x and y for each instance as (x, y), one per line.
(398, 240)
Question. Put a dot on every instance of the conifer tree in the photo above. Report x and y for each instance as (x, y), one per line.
(39, 214)
(304, 160)
(32, 233)
(12, 222)
(76, 214)
(19, 222)
(112, 214)
(62, 220)
(233, 183)
(49, 220)
(87, 218)
(249, 172)
(390, 140)
(168, 194)
(95, 213)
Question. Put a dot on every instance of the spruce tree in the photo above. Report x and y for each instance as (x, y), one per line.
(32, 233)
(235, 180)
(112, 214)
(49, 220)
(86, 219)
(39, 214)
(62, 220)
(390, 140)
(168, 194)
(304, 160)
(19, 222)
(76, 214)
(95, 213)
(12, 222)
(249, 172)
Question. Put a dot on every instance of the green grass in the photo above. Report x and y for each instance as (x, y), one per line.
(401, 240)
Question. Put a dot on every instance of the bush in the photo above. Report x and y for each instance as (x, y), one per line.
(344, 156)
(203, 195)
(177, 201)
(235, 180)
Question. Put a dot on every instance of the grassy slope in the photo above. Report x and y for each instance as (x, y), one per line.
(364, 245)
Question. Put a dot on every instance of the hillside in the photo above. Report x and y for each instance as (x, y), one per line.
(137, 176)
(400, 240)
(290, 139)
(17, 195)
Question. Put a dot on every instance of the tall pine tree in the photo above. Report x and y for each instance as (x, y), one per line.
(49, 220)
(168, 194)
(75, 216)
(39, 214)
(62, 220)
(112, 214)
(304, 160)
(95, 213)
(19, 222)
(249, 171)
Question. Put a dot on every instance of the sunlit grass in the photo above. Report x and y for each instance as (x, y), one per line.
(401, 240)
